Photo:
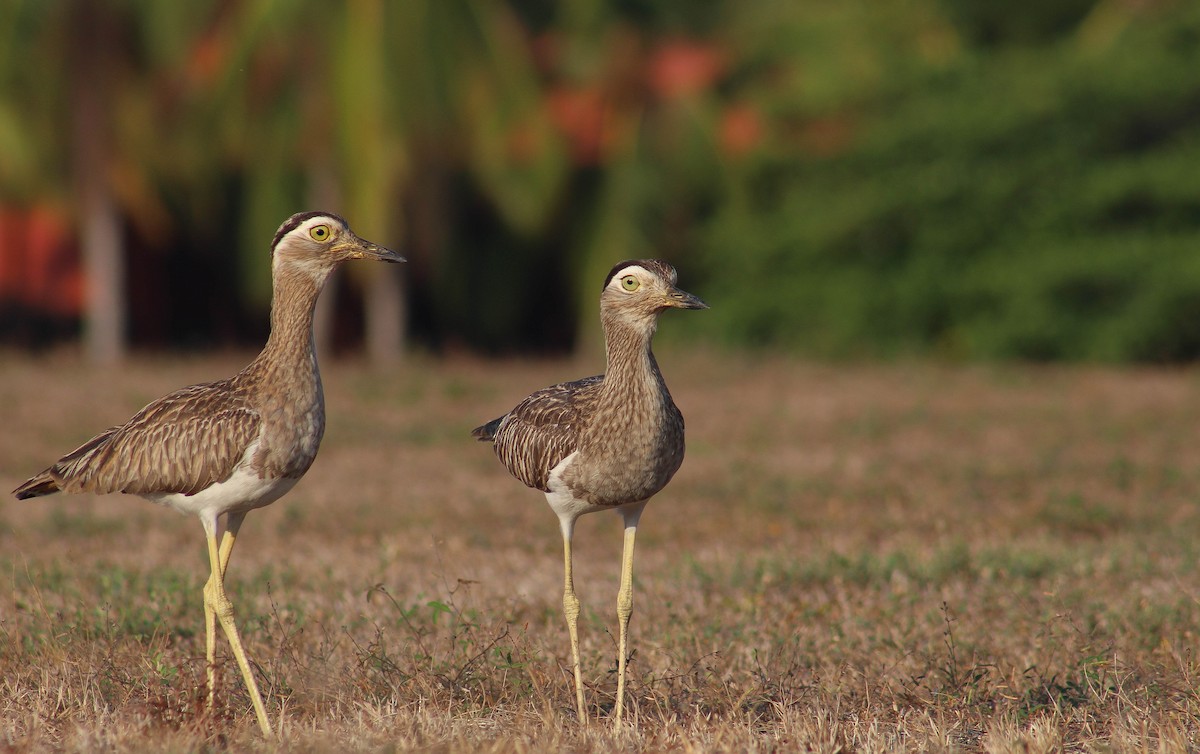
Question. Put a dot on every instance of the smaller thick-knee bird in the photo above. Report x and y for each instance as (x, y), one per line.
(221, 449)
(608, 442)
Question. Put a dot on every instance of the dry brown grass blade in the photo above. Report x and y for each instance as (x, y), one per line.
(852, 559)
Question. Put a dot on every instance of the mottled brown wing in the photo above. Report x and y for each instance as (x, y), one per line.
(182, 443)
(543, 429)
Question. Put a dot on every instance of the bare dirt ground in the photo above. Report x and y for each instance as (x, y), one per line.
(852, 558)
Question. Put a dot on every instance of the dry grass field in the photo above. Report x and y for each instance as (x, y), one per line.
(852, 558)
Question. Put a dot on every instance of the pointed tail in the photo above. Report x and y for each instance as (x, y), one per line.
(42, 484)
(487, 432)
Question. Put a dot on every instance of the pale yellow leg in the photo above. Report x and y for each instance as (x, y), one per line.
(624, 611)
(210, 616)
(218, 604)
(210, 645)
(233, 525)
(571, 611)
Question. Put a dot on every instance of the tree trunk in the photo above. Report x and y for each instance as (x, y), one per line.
(368, 167)
(99, 218)
(385, 315)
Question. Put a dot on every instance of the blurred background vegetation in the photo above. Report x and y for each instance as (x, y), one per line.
(961, 179)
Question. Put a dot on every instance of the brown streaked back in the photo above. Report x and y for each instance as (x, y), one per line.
(543, 429)
(181, 443)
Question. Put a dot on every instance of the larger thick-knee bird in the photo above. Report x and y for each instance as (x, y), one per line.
(608, 442)
(221, 449)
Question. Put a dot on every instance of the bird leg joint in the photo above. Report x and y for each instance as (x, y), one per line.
(571, 606)
(625, 604)
(214, 597)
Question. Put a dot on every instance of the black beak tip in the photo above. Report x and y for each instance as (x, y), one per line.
(387, 255)
(688, 301)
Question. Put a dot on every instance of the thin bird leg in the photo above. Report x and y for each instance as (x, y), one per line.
(233, 523)
(216, 601)
(625, 604)
(571, 611)
(210, 636)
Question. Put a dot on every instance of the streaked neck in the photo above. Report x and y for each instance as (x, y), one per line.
(631, 363)
(293, 303)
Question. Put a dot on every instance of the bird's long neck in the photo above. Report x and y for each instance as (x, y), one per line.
(632, 370)
(290, 347)
(283, 383)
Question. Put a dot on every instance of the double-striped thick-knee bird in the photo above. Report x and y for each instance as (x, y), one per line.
(608, 442)
(221, 449)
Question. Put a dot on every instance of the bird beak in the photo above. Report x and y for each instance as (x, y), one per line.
(684, 300)
(360, 248)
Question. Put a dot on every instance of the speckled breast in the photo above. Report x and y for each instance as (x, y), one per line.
(631, 463)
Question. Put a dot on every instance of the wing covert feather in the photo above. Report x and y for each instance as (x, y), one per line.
(544, 429)
(180, 443)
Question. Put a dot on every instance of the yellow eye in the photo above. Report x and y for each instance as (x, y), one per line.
(629, 283)
(319, 232)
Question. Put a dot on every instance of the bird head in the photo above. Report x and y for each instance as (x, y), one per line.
(320, 241)
(640, 289)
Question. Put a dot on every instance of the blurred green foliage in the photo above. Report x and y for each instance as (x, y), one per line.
(1032, 194)
(959, 178)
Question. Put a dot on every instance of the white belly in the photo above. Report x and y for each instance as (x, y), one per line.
(244, 490)
(568, 507)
